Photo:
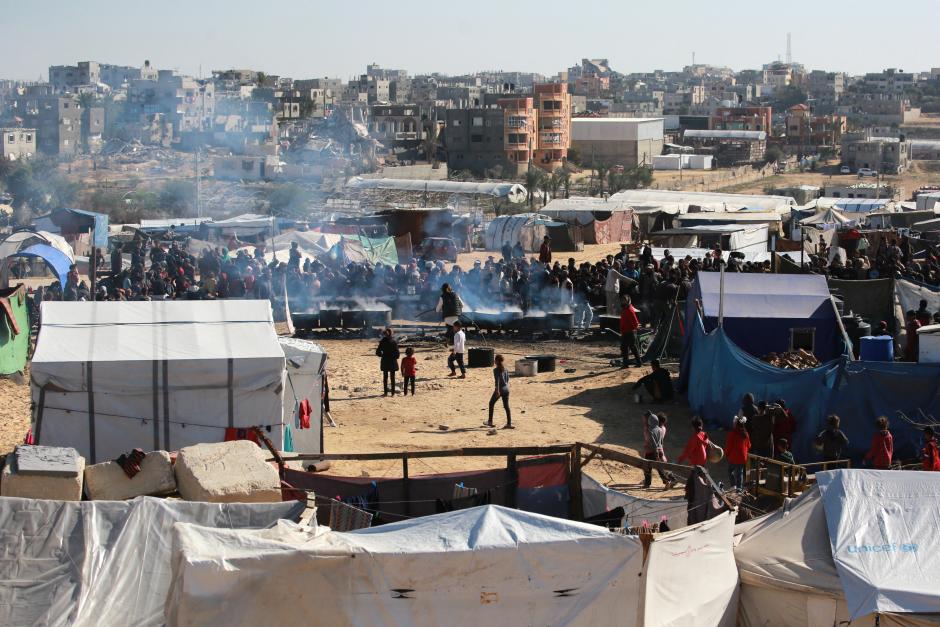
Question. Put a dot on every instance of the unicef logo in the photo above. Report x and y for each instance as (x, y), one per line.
(884, 548)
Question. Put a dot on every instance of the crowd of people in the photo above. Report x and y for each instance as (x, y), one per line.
(892, 257)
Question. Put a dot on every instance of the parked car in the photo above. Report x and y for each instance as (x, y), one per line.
(434, 248)
(845, 170)
(866, 172)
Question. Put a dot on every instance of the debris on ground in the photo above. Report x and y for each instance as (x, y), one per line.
(792, 360)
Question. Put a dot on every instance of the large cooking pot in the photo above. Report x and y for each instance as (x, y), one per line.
(546, 363)
(533, 323)
(306, 320)
(480, 357)
(560, 321)
(377, 318)
(610, 322)
(353, 318)
(331, 318)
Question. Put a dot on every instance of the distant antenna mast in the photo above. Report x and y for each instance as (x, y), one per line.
(789, 50)
(693, 58)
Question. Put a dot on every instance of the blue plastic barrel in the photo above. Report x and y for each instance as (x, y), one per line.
(880, 348)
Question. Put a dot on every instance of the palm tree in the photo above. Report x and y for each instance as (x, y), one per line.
(86, 100)
(602, 168)
(534, 179)
(554, 182)
(565, 177)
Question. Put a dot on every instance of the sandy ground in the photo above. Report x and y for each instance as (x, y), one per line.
(593, 404)
(14, 412)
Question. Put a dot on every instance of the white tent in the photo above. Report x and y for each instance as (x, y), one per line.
(681, 201)
(785, 559)
(245, 225)
(19, 240)
(598, 499)
(306, 362)
(110, 376)
(527, 228)
(91, 563)
(485, 565)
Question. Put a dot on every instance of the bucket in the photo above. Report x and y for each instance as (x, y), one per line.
(480, 357)
(546, 363)
(526, 367)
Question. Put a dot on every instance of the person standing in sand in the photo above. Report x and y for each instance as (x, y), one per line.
(388, 353)
(501, 391)
(457, 352)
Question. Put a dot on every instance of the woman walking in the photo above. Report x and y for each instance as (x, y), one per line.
(388, 353)
(501, 391)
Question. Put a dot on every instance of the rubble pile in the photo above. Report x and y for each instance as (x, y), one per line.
(792, 360)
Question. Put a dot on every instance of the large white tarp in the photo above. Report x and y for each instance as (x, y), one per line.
(102, 562)
(691, 578)
(482, 566)
(883, 533)
(306, 362)
(111, 376)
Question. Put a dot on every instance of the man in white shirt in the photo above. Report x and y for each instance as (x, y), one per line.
(456, 353)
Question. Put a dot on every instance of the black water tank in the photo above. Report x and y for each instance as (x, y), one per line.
(480, 357)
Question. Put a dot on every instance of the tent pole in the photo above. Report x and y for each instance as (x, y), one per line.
(721, 296)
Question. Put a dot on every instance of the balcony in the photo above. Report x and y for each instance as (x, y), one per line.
(517, 122)
(553, 139)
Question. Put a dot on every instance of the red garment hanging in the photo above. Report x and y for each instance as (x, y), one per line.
(304, 414)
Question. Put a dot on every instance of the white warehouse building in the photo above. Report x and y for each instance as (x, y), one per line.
(617, 141)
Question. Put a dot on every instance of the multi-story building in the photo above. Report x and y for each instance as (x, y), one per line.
(628, 142)
(825, 89)
(811, 132)
(554, 125)
(474, 139)
(67, 77)
(877, 109)
(520, 129)
(17, 143)
(890, 81)
(57, 120)
(745, 118)
(187, 103)
(888, 155)
(397, 124)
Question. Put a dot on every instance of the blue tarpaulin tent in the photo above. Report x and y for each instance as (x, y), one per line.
(761, 310)
(57, 260)
(717, 373)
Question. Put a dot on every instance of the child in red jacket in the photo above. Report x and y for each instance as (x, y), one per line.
(931, 456)
(409, 370)
(696, 448)
(882, 446)
(737, 446)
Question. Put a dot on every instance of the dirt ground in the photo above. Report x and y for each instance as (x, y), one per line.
(593, 404)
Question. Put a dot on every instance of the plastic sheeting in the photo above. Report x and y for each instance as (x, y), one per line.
(110, 376)
(598, 498)
(717, 373)
(102, 562)
(485, 565)
(910, 294)
(57, 261)
(306, 362)
(883, 532)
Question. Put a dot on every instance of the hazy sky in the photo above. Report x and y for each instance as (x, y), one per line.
(310, 38)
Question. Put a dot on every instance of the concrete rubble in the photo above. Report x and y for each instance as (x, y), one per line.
(227, 472)
(108, 482)
(43, 472)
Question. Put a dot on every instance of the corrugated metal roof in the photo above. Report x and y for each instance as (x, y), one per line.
(513, 191)
(720, 134)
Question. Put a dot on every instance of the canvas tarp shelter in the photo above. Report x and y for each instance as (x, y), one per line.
(746, 239)
(74, 222)
(788, 575)
(527, 228)
(55, 259)
(91, 563)
(245, 225)
(360, 249)
(475, 566)
(514, 192)
(761, 310)
(828, 218)
(706, 201)
(14, 330)
(110, 376)
(306, 362)
(24, 239)
(717, 374)
(599, 221)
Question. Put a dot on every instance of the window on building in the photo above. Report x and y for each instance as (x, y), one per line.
(804, 338)
(248, 165)
(478, 121)
(29, 137)
(476, 139)
(11, 138)
(455, 122)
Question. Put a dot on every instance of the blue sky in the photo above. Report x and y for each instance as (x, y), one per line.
(335, 38)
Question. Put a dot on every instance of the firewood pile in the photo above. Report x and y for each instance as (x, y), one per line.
(792, 360)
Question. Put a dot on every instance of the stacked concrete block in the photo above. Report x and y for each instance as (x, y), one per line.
(43, 472)
(108, 482)
(227, 472)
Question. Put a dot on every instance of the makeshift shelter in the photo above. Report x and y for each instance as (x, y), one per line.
(827, 219)
(14, 331)
(856, 546)
(357, 249)
(55, 260)
(527, 228)
(772, 221)
(111, 376)
(749, 240)
(89, 563)
(20, 240)
(306, 363)
(766, 313)
(513, 192)
(683, 202)
(717, 373)
(475, 566)
(599, 221)
(248, 225)
(74, 223)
